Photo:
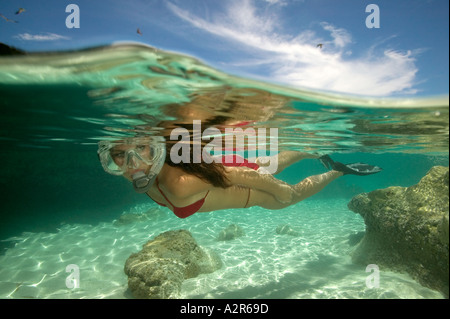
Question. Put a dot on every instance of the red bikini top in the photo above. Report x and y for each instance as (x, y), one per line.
(182, 212)
(227, 160)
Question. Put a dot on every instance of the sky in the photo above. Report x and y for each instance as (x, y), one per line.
(332, 45)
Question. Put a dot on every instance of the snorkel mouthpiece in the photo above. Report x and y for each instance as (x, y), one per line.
(142, 183)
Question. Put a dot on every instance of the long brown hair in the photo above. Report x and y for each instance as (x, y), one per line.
(218, 107)
(212, 173)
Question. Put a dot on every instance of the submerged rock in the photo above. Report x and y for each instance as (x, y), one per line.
(131, 218)
(158, 270)
(233, 231)
(407, 229)
(287, 230)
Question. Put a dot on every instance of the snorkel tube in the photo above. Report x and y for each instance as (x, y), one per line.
(143, 182)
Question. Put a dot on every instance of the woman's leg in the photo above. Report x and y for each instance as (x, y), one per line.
(313, 184)
(285, 159)
(306, 188)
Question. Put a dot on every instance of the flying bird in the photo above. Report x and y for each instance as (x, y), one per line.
(139, 31)
(7, 20)
(320, 45)
(20, 10)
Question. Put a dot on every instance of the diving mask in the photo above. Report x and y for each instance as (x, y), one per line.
(118, 157)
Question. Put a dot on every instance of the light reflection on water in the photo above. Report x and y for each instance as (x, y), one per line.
(122, 90)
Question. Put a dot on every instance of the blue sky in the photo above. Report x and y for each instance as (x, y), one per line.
(271, 40)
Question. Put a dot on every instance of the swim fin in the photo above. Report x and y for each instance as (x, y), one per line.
(360, 169)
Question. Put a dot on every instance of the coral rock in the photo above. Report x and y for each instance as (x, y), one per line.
(152, 214)
(407, 229)
(159, 269)
(287, 230)
(233, 231)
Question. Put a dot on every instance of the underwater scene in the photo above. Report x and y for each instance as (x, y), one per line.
(201, 151)
(70, 230)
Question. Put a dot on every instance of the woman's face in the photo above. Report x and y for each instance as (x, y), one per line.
(132, 158)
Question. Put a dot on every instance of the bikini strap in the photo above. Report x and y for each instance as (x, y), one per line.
(157, 185)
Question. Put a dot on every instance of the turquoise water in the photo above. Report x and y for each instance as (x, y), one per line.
(261, 264)
(59, 206)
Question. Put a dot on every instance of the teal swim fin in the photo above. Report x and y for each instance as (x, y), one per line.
(360, 169)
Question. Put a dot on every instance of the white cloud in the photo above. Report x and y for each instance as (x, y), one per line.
(41, 37)
(298, 61)
(341, 37)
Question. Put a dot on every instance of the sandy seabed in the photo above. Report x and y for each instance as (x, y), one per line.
(261, 264)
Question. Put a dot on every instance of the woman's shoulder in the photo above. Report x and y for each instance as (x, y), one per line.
(170, 175)
(180, 183)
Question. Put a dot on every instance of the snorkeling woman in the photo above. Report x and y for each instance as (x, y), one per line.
(226, 182)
